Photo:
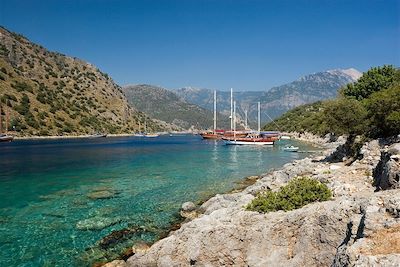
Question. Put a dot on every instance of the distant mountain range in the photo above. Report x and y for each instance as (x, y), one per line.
(165, 105)
(47, 93)
(277, 100)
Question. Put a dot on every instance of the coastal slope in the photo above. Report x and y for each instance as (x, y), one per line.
(48, 93)
(356, 228)
(165, 105)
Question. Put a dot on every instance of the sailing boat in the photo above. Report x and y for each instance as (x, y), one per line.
(4, 137)
(215, 134)
(251, 138)
(152, 135)
(139, 133)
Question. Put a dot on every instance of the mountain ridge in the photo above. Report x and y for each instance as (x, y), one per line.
(277, 100)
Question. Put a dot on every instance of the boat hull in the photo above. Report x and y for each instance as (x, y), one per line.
(254, 142)
(98, 136)
(294, 149)
(6, 139)
(151, 135)
(211, 136)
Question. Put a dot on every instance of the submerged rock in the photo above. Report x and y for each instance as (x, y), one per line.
(116, 237)
(97, 223)
(188, 210)
(188, 206)
(103, 194)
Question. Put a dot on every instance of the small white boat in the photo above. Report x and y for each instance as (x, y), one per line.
(98, 135)
(151, 135)
(291, 148)
(139, 134)
(6, 138)
(285, 137)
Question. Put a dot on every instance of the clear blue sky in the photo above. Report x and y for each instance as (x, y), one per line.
(218, 44)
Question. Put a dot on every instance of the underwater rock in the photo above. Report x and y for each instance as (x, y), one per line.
(102, 194)
(188, 206)
(188, 211)
(97, 223)
(116, 237)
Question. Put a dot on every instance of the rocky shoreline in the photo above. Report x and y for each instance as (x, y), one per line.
(360, 226)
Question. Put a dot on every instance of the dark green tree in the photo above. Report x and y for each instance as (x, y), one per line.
(375, 79)
(345, 116)
(384, 112)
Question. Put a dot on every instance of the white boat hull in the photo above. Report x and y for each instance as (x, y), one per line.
(233, 142)
(291, 149)
(151, 135)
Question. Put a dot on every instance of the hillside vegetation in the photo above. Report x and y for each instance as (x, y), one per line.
(167, 106)
(47, 93)
(368, 107)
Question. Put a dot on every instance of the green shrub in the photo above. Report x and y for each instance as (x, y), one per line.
(68, 127)
(43, 132)
(41, 97)
(6, 99)
(22, 86)
(17, 124)
(296, 194)
(23, 108)
(31, 121)
(3, 50)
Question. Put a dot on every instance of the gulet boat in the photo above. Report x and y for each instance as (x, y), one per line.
(250, 139)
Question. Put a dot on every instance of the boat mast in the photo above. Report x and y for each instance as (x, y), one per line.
(215, 110)
(234, 119)
(245, 114)
(1, 121)
(259, 128)
(7, 117)
(231, 109)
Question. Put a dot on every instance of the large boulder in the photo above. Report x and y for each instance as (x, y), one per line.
(387, 172)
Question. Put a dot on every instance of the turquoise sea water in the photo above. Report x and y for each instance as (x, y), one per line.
(59, 198)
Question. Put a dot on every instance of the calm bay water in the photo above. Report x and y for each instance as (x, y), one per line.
(59, 198)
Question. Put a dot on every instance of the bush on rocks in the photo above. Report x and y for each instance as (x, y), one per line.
(296, 194)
